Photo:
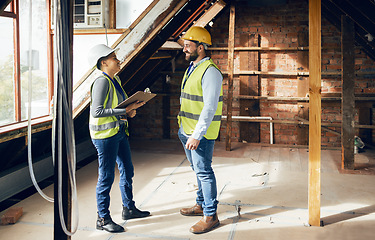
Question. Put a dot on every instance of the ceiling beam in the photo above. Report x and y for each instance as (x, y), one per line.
(356, 15)
(333, 15)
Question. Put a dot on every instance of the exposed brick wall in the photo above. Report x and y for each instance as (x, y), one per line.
(277, 26)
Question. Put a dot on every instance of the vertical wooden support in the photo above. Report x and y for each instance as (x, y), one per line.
(232, 13)
(50, 53)
(348, 101)
(112, 14)
(249, 85)
(303, 87)
(17, 59)
(315, 111)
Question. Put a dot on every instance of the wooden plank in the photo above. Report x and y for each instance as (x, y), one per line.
(303, 87)
(315, 111)
(230, 76)
(348, 101)
(17, 62)
(210, 13)
(112, 14)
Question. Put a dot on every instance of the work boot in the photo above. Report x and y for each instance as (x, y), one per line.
(108, 225)
(196, 210)
(133, 213)
(206, 224)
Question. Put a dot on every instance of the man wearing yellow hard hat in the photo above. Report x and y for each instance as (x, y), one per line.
(199, 124)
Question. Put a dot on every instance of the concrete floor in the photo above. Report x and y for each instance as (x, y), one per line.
(268, 185)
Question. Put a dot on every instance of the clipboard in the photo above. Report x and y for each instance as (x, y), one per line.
(138, 96)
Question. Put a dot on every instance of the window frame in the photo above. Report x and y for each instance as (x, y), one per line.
(18, 122)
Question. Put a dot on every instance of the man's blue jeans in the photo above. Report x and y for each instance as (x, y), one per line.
(200, 161)
(112, 150)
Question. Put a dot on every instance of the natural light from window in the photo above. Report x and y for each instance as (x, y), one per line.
(7, 109)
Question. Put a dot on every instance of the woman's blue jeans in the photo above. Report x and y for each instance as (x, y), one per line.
(200, 161)
(112, 150)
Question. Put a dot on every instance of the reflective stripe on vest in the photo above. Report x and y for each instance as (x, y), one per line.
(192, 103)
(105, 127)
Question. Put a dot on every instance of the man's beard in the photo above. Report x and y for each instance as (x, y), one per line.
(193, 56)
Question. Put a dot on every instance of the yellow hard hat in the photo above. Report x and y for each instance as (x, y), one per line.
(198, 34)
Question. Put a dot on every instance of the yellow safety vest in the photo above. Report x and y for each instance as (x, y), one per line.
(192, 102)
(105, 127)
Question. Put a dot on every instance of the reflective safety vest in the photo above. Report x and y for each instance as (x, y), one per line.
(192, 102)
(105, 127)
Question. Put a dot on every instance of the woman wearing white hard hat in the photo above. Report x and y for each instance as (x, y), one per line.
(109, 134)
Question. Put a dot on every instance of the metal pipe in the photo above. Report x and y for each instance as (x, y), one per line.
(257, 117)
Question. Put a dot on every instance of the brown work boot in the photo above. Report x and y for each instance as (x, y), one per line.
(196, 210)
(206, 224)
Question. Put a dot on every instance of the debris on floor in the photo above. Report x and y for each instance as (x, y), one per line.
(191, 187)
(11, 216)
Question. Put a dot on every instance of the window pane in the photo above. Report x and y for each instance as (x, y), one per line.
(7, 109)
(38, 64)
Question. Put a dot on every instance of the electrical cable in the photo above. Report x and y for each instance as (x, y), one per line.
(29, 153)
(106, 36)
(64, 113)
(63, 98)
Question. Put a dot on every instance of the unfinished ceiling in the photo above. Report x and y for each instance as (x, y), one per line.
(362, 14)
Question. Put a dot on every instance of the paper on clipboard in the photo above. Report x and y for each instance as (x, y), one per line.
(138, 96)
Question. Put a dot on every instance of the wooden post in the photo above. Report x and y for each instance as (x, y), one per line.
(112, 14)
(348, 101)
(232, 13)
(315, 111)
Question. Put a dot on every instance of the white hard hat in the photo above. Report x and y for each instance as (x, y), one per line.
(97, 52)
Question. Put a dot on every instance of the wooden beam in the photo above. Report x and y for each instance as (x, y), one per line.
(15, 6)
(210, 13)
(112, 14)
(232, 15)
(315, 111)
(348, 100)
(50, 62)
